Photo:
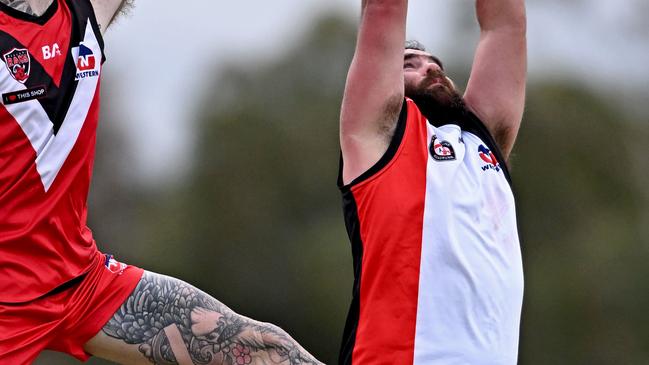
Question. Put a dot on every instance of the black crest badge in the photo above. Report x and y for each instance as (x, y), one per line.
(441, 150)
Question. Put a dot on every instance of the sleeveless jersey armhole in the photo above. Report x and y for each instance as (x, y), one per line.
(389, 154)
(85, 7)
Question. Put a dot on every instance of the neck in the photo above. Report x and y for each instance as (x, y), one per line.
(33, 7)
(436, 113)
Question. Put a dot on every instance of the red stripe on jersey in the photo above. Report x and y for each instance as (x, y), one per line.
(53, 35)
(390, 210)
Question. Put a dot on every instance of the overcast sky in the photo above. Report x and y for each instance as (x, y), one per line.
(160, 50)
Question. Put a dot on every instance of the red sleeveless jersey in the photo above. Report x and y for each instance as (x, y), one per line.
(50, 67)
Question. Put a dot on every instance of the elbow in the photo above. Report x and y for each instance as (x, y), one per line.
(384, 3)
(385, 7)
(518, 21)
(510, 16)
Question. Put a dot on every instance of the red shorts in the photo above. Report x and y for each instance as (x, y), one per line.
(66, 318)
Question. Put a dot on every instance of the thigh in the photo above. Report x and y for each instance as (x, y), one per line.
(167, 321)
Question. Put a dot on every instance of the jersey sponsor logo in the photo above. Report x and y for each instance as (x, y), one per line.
(441, 150)
(86, 61)
(487, 156)
(24, 95)
(114, 266)
(18, 63)
(52, 51)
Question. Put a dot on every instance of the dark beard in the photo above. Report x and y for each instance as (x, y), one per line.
(439, 109)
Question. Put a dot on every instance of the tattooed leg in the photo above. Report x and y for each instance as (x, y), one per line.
(171, 322)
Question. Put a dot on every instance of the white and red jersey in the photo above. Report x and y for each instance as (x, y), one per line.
(437, 260)
(50, 67)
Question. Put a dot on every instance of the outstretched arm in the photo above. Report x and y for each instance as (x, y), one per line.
(107, 10)
(496, 89)
(374, 90)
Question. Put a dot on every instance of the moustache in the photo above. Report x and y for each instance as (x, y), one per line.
(435, 77)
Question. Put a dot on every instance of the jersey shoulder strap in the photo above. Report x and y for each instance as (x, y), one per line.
(83, 12)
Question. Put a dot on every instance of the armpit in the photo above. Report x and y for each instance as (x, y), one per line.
(390, 116)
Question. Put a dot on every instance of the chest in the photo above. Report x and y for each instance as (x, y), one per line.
(464, 175)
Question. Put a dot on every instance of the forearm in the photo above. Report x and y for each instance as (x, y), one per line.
(382, 32)
(501, 15)
(397, 6)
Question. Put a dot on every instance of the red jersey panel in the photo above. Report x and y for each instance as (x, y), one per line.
(387, 249)
(50, 68)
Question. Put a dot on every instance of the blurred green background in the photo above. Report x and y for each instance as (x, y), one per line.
(255, 217)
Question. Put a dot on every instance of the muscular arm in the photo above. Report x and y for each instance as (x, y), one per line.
(496, 88)
(107, 10)
(374, 90)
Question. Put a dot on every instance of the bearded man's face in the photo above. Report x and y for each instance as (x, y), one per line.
(426, 83)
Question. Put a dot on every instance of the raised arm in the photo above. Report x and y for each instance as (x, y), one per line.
(496, 88)
(107, 10)
(374, 90)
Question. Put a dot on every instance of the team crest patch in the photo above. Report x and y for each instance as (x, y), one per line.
(487, 156)
(86, 61)
(441, 150)
(18, 63)
(114, 266)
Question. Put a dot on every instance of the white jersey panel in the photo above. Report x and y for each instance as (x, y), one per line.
(471, 275)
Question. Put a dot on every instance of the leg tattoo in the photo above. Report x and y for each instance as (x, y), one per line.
(163, 312)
